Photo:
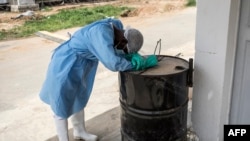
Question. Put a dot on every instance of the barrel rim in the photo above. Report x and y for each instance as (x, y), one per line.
(140, 73)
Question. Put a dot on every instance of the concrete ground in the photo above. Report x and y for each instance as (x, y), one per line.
(23, 65)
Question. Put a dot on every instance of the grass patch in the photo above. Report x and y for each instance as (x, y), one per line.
(63, 20)
(191, 3)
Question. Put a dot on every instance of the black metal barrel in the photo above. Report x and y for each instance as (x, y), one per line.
(154, 102)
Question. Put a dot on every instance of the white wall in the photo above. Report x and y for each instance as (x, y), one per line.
(26, 2)
(21, 2)
(216, 34)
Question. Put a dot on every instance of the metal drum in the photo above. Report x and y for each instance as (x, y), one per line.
(154, 102)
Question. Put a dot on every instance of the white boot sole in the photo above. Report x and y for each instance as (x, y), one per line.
(80, 138)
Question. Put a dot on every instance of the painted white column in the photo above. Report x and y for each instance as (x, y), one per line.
(216, 35)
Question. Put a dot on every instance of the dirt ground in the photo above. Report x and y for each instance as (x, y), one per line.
(143, 8)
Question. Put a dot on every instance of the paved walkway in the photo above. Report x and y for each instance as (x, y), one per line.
(23, 64)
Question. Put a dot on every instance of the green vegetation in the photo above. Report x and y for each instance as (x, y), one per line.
(63, 20)
(191, 3)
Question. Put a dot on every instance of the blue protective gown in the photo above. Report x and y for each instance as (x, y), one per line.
(71, 72)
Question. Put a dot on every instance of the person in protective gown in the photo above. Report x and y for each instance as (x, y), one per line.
(72, 70)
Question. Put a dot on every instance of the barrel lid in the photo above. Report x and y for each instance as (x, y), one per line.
(166, 65)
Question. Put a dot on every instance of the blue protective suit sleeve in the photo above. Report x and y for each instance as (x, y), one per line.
(102, 39)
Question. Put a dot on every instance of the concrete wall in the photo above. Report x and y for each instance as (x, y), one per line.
(26, 2)
(23, 5)
(3, 1)
(216, 34)
(22, 2)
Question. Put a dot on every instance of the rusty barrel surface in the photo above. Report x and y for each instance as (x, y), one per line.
(154, 102)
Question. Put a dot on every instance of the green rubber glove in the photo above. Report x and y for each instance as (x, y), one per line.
(140, 63)
(150, 61)
(137, 61)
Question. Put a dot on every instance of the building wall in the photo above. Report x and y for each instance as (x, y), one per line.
(215, 45)
(23, 5)
(3, 1)
(26, 2)
(21, 2)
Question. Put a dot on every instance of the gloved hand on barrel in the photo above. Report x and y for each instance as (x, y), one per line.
(142, 62)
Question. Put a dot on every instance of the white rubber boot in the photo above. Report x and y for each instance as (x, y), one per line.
(79, 130)
(61, 128)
